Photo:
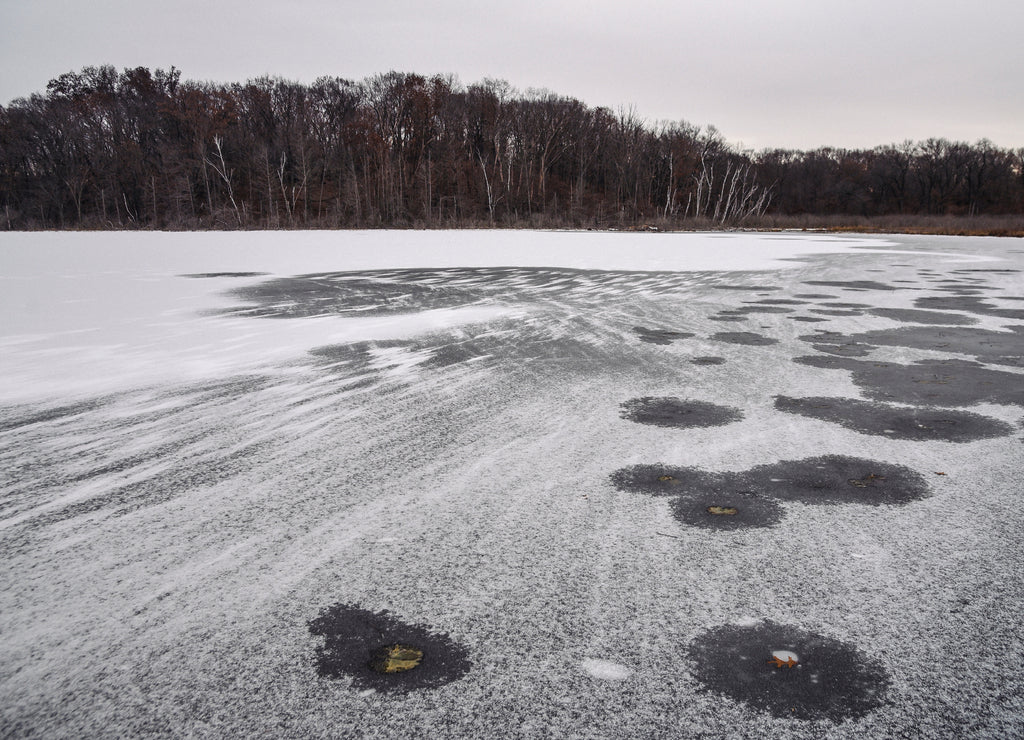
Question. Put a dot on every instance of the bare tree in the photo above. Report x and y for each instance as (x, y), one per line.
(225, 174)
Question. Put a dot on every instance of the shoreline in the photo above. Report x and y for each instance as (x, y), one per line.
(996, 226)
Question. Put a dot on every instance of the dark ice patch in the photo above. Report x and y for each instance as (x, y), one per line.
(14, 417)
(353, 636)
(959, 291)
(357, 365)
(970, 304)
(530, 283)
(573, 344)
(919, 316)
(744, 337)
(344, 293)
(659, 336)
(751, 288)
(832, 680)
(527, 348)
(726, 510)
(456, 353)
(813, 295)
(662, 480)
(842, 304)
(996, 347)
(128, 463)
(826, 363)
(852, 284)
(223, 274)
(837, 479)
(835, 312)
(843, 349)
(927, 382)
(355, 359)
(750, 498)
(356, 355)
(728, 317)
(895, 422)
(697, 496)
(708, 360)
(827, 480)
(808, 319)
(776, 302)
(224, 389)
(762, 309)
(191, 473)
(675, 412)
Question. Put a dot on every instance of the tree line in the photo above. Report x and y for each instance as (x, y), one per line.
(145, 149)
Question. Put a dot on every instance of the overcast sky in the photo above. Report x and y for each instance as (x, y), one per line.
(788, 73)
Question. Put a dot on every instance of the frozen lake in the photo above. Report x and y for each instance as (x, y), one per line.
(609, 485)
(105, 311)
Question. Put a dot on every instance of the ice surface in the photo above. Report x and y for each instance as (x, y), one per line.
(185, 485)
(88, 313)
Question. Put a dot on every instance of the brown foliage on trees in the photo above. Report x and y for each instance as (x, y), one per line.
(141, 149)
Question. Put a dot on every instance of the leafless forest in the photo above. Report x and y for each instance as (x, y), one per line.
(146, 149)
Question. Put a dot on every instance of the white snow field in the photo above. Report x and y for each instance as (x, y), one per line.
(609, 485)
